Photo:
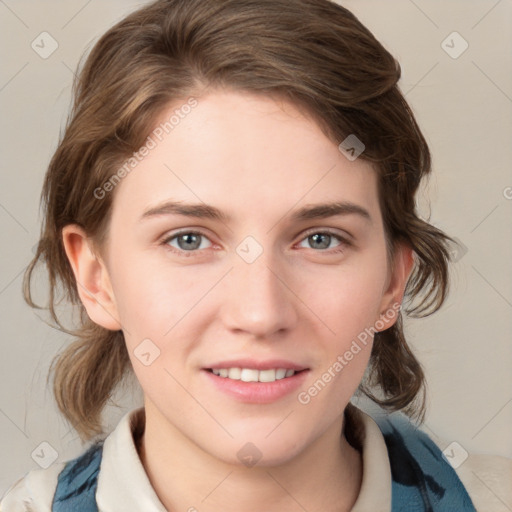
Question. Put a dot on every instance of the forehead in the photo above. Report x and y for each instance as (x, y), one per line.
(243, 153)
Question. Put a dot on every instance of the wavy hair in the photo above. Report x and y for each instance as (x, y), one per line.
(314, 53)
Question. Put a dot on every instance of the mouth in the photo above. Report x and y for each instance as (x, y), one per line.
(254, 375)
(253, 382)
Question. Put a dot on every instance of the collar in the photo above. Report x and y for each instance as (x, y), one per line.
(124, 485)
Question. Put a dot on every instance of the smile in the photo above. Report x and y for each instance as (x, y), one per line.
(251, 375)
(248, 385)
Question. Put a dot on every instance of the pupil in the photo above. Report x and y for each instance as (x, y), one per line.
(326, 238)
(189, 238)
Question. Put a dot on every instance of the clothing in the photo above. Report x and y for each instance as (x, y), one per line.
(403, 470)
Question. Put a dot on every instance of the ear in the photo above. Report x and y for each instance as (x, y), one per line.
(401, 269)
(92, 279)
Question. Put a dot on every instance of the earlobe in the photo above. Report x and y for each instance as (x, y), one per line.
(393, 296)
(92, 279)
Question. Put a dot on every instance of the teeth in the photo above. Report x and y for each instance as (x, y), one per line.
(250, 375)
(234, 373)
(281, 373)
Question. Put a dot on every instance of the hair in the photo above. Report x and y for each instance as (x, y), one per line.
(313, 53)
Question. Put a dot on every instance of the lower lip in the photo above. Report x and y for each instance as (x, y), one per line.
(257, 392)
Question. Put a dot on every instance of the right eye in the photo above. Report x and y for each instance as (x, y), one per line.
(186, 241)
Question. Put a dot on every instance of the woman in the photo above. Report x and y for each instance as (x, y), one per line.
(232, 209)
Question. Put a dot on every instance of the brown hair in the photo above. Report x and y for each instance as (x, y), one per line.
(313, 53)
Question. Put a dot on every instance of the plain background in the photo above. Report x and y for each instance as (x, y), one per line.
(464, 107)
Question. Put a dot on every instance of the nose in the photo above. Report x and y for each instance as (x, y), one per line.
(259, 298)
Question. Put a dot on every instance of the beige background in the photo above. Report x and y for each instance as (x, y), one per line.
(464, 106)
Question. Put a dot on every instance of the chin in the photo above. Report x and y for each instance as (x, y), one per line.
(258, 450)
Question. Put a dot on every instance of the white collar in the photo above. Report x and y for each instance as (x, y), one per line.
(124, 485)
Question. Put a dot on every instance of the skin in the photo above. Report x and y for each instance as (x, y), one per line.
(258, 160)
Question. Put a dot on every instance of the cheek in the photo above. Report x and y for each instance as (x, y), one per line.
(348, 303)
(149, 299)
(150, 308)
(347, 299)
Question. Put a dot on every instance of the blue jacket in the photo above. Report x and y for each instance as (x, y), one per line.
(422, 479)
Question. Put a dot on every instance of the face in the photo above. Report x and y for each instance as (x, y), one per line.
(256, 275)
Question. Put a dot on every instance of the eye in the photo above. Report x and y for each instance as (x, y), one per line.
(193, 241)
(187, 241)
(322, 240)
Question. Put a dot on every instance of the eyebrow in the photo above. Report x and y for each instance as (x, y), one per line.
(205, 211)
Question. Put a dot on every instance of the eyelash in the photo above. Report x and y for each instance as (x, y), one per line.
(344, 243)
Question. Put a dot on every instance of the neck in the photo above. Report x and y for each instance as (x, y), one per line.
(187, 478)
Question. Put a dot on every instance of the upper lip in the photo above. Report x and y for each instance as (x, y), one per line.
(258, 365)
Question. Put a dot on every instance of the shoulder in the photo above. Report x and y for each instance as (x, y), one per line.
(69, 483)
(33, 492)
(420, 472)
(445, 471)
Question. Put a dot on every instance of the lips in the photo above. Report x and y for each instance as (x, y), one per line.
(257, 391)
(269, 364)
(251, 375)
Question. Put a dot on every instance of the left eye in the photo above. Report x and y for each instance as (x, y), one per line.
(188, 241)
(192, 241)
(322, 240)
